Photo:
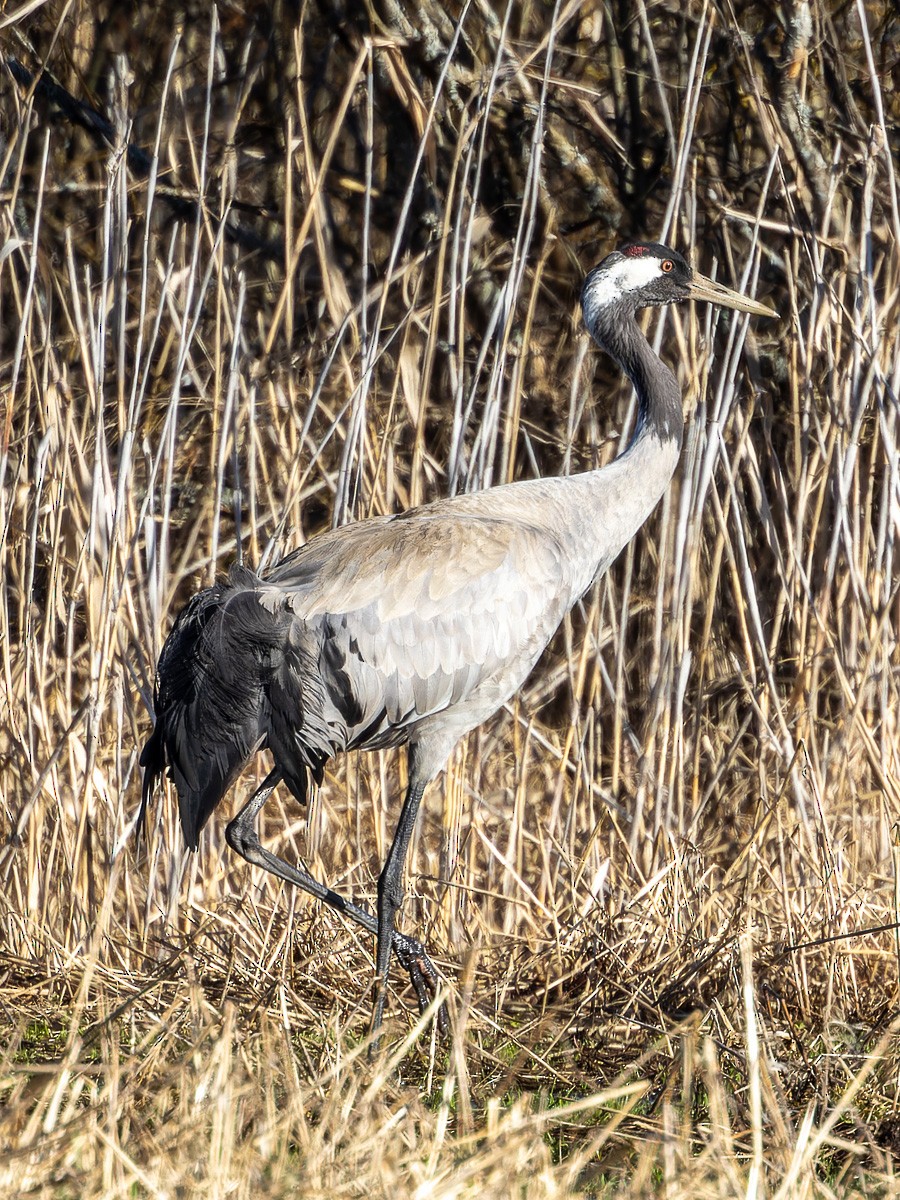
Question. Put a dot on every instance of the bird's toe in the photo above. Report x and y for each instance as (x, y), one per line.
(413, 957)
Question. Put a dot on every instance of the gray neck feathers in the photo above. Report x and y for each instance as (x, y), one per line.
(614, 328)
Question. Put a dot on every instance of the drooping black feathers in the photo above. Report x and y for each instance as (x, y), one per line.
(228, 684)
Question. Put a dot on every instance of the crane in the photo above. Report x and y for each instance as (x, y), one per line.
(411, 629)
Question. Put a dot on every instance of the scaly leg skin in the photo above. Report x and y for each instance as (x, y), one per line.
(242, 837)
(390, 894)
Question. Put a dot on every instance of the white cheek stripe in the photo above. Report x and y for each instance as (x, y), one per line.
(624, 276)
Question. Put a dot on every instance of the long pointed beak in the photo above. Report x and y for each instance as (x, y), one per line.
(702, 288)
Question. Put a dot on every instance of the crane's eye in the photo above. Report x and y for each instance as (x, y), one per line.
(667, 265)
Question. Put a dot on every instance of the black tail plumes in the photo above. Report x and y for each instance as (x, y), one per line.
(221, 672)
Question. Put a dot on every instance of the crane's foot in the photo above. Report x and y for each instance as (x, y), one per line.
(423, 975)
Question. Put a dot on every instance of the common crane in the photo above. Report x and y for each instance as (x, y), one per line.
(411, 629)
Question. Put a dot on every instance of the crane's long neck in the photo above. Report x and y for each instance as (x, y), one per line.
(607, 507)
(660, 416)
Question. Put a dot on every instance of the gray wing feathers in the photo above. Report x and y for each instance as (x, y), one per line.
(358, 639)
(424, 614)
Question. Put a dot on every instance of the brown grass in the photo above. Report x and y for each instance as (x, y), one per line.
(663, 883)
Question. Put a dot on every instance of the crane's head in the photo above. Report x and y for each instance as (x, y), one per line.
(644, 274)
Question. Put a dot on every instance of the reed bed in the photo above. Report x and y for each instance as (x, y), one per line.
(269, 268)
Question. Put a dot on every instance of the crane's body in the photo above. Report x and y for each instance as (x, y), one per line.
(411, 628)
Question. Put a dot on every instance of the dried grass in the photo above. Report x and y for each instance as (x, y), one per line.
(663, 884)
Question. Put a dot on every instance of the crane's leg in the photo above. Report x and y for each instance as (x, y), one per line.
(390, 895)
(242, 837)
